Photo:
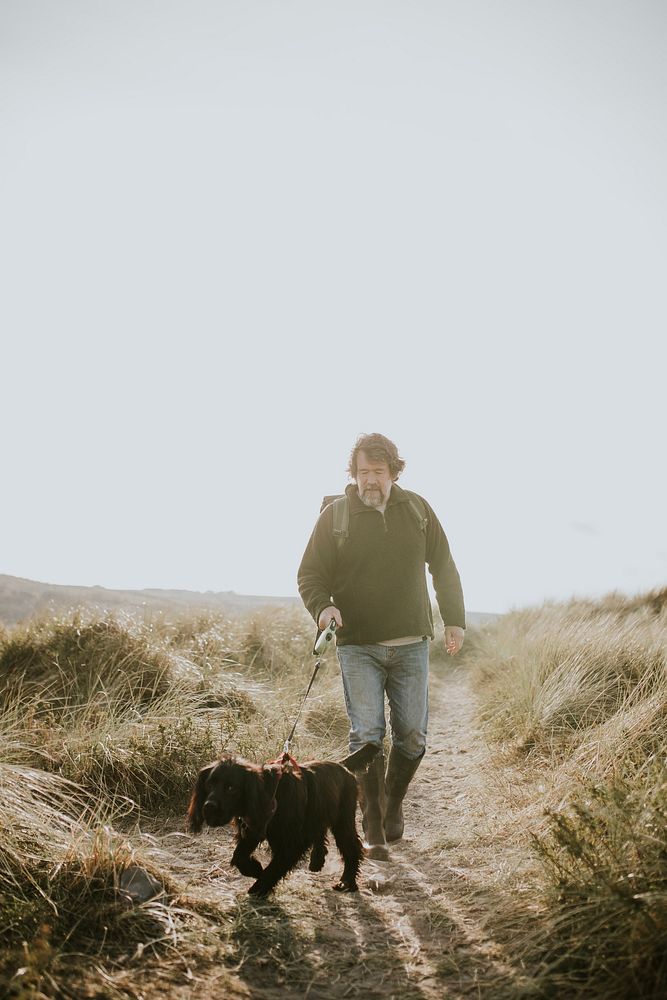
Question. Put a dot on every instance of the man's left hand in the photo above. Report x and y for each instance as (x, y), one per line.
(454, 636)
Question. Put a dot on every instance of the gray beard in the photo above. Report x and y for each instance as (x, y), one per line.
(376, 498)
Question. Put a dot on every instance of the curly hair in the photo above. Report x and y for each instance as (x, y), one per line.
(379, 449)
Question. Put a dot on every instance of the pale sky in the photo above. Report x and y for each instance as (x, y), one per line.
(237, 234)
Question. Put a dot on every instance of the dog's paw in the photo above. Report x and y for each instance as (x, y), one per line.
(258, 890)
(316, 863)
(346, 887)
(249, 867)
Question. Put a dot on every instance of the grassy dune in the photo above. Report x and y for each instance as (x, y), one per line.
(575, 697)
(104, 724)
(105, 721)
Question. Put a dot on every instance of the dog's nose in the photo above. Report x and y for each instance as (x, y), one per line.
(209, 810)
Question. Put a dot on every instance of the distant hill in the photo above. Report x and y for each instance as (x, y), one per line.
(21, 599)
(477, 618)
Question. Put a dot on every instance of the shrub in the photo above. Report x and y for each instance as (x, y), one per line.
(152, 765)
(580, 692)
(606, 857)
(66, 663)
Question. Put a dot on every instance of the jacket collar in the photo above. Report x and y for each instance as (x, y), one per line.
(397, 495)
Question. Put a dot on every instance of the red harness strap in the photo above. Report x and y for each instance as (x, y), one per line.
(287, 763)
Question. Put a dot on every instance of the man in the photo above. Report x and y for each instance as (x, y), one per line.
(372, 582)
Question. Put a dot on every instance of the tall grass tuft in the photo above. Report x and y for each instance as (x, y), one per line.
(37, 824)
(65, 663)
(107, 704)
(151, 763)
(577, 695)
(274, 644)
(550, 677)
(60, 873)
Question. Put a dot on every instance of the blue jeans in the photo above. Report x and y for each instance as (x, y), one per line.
(402, 671)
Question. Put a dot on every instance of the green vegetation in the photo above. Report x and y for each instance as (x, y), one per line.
(576, 695)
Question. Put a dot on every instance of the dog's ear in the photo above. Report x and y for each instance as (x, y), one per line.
(260, 802)
(195, 814)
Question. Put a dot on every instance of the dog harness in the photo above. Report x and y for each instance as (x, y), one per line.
(288, 764)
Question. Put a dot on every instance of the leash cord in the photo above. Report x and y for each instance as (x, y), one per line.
(312, 679)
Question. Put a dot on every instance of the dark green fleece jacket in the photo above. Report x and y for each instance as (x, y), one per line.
(377, 577)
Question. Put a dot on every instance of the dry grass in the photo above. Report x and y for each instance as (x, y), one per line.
(66, 664)
(104, 722)
(60, 866)
(574, 697)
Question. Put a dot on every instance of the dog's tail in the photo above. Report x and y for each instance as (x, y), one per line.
(360, 759)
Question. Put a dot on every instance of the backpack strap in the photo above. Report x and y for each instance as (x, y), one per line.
(329, 499)
(341, 520)
(418, 509)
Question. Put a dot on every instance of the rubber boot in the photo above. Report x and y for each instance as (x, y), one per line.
(372, 802)
(400, 772)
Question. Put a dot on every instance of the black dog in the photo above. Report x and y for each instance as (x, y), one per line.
(291, 806)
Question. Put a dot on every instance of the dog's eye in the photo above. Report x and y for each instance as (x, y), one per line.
(230, 788)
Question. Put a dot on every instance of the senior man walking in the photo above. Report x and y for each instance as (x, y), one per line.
(364, 566)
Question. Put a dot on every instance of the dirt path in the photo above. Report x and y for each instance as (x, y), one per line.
(436, 921)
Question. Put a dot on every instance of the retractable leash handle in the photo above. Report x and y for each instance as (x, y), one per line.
(324, 637)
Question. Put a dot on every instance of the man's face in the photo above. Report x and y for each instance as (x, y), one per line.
(373, 480)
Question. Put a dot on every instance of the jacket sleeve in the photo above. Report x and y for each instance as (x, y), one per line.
(316, 572)
(445, 575)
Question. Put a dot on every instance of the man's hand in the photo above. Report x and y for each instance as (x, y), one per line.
(454, 637)
(326, 616)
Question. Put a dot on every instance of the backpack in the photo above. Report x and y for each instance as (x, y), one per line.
(341, 514)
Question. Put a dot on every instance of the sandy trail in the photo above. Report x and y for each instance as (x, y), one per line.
(433, 922)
